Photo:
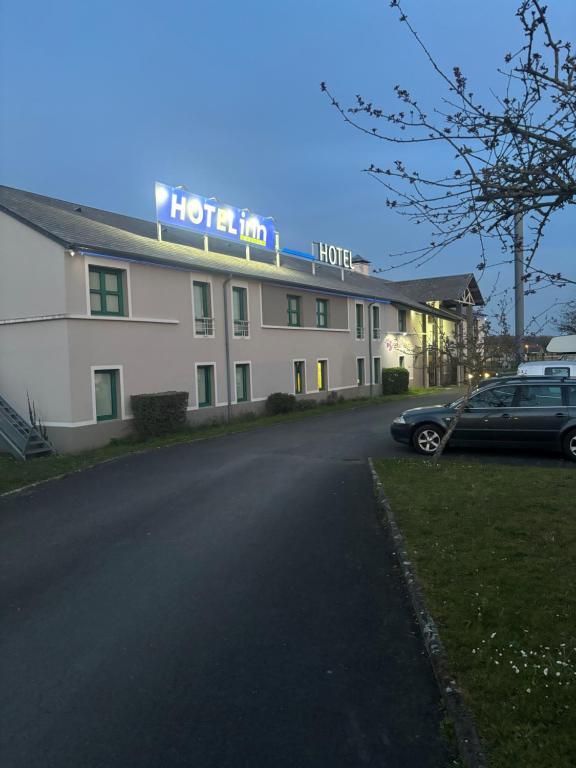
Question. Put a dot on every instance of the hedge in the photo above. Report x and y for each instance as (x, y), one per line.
(394, 381)
(280, 402)
(159, 413)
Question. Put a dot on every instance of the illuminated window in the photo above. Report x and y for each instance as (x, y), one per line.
(294, 314)
(321, 313)
(360, 375)
(106, 291)
(299, 377)
(322, 375)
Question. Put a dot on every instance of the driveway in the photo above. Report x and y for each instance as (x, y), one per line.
(227, 603)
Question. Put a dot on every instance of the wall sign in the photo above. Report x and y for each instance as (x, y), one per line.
(179, 208)
(335, 256)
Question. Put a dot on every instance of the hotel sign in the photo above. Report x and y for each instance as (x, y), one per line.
(335, 256)
(177, 207)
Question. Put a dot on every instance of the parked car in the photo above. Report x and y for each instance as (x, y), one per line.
(548, 368)
(530, 411)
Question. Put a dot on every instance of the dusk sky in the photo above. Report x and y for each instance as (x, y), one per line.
(99, 100)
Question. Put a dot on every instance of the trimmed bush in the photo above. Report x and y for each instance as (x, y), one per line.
(280, 402)
(394, 381)
(159, 413)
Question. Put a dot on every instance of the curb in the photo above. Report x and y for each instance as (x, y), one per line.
(468, 741)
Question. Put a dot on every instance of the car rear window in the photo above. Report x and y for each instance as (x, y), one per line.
(498, 397)
(540, 396)
(557, 371)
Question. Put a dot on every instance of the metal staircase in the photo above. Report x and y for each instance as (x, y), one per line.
(18, 437)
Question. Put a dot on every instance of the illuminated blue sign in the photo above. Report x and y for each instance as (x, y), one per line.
(179, 208)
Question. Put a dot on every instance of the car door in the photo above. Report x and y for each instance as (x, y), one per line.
(542, 411)
(486, 414)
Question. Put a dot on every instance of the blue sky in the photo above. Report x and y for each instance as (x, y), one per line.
(99, 100)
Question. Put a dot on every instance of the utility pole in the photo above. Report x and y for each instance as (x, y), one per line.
(519, 283)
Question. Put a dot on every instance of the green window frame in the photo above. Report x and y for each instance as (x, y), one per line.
(360, 371)
(240, 310)
(106, 394)
(205, 384)
(377, 370)
(294, 313)
(321, 313)
(376, 322)
(106, 291)
(402, 320)
(202, 308)
(299, 377)
(242, 382)
(359, 321)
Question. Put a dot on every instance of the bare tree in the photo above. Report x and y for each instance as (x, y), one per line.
(514, 158)
(567, 321)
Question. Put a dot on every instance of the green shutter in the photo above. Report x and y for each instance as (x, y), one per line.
(106, 291)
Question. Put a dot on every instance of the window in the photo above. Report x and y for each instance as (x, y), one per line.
(294, 311)
(375, 322)
(541, 396)
(402, 313)
(240, 311)
(557, 371)
(321, 313)
(203, 320)
(499, 397)
(106, 390)
(360, 371)
(299, 377)
(205, 377)
(106, 291)
(401, 361)
(377, 370)
(359, 321)
(571, 395)
(242, 382)
(322, 375)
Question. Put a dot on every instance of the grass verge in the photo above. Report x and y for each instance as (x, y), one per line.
(495, 552)
(16, 474)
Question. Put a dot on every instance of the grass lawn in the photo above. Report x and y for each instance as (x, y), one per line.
(15, 474)
(495, 552)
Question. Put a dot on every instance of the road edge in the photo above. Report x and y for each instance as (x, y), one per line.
(467, 739)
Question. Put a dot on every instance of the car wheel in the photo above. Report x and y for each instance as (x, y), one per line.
(569, 445)
(426, 439)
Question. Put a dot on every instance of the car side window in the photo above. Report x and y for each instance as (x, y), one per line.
(540, 396)
(557, 371)
(572, 395)
(498, 397)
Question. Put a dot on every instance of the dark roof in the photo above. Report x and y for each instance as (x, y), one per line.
(448, 288)
(84, 228)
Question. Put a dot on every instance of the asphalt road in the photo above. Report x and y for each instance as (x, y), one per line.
(227, 603)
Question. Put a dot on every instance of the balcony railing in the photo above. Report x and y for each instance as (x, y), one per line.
(359, 331)
(204, 326)
(376, 333)
(241, 328)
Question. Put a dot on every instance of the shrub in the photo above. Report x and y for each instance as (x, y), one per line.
(394, 381)
(159, 413)
(280, 402)
(305, 405)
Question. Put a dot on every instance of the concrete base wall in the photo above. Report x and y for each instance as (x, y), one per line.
(76, 439)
